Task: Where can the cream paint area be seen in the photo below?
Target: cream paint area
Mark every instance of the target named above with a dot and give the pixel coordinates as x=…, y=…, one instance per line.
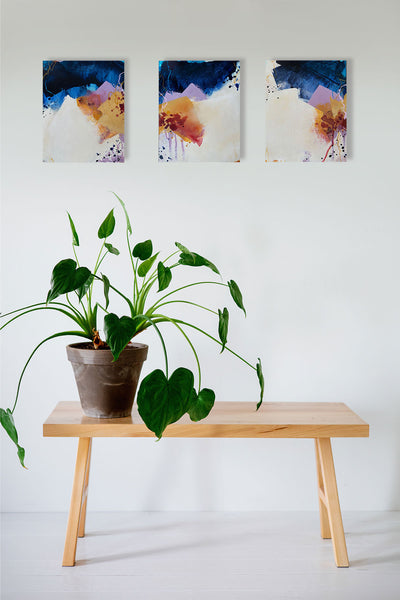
x=220, y=115
x=290, y=134
x=68, y=136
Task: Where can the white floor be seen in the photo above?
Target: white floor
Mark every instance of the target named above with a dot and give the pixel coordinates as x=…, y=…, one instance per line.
x=199, y=556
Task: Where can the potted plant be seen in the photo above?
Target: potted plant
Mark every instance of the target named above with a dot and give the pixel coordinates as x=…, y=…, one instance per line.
x=107, y=370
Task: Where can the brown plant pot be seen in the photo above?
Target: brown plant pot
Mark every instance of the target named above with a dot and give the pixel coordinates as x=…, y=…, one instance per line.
x=107, y=389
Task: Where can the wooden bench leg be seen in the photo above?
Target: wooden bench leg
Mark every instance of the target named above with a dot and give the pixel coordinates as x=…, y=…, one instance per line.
x=330, y=515
x=82, y=518
x=323, y=513
x=81, y=470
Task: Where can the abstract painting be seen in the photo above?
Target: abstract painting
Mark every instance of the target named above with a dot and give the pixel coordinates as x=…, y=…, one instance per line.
x=199, y=111
x=306, y=111
x=83, y=111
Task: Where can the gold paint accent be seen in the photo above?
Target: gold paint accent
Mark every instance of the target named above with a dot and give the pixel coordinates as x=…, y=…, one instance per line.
x=112, y=116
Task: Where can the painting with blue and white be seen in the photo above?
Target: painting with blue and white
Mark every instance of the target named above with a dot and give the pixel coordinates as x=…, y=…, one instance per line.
x=306, y=111
x=83, y=111
x=199, y=111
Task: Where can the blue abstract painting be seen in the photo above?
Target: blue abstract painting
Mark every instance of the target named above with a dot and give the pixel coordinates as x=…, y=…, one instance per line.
x=306, y=110
x=199, y=110
x=83, y=111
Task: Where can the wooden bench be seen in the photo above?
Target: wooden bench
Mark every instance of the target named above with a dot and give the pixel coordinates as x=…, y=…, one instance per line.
x=317, y=420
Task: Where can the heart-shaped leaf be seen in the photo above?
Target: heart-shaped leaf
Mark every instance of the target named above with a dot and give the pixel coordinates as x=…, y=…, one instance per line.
x=223, y=320
x=201, y=404
x=81, y=291
x=7, y=421
x=66, y=277
x=75, y=238
x=107, y=226
x=112, y=249
x=164, y=276
x=145, y=267
x=192, y=259
x=236, y=294
x=261, y=382
x=106, y=283
x=143, y=250
x=118, y=332
x=162, y=401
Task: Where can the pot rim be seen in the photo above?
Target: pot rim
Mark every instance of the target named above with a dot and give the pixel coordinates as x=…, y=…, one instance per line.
x=134, y=352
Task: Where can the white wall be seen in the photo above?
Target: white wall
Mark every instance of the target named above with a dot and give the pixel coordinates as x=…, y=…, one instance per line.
x=314, y=247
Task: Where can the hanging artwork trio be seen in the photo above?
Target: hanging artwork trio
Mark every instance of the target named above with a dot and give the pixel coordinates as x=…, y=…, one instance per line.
x=199, y=111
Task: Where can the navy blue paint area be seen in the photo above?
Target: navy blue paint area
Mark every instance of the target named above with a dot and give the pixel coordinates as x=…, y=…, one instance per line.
x=77, y=77
x=176, y=75
x=307, y=75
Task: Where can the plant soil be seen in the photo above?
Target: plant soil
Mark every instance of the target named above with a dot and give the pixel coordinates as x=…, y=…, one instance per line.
x=90, y=346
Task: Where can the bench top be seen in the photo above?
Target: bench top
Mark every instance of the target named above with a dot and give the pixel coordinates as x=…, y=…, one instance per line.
x=226, y=420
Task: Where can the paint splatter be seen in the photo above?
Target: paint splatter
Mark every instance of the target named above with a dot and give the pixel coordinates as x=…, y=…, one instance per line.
x=199, y=111
x=306, y=110
x=83, y=111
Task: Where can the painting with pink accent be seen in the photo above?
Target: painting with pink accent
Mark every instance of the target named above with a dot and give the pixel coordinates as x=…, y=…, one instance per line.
x=306, y=111
x=199, y=111
x=83, y=111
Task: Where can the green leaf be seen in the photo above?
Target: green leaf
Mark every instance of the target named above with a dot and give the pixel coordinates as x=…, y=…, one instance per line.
x=81, y=291
x=66, y=277
x=122, y=203
x=107, y=226
x=162, y=401
x=201, y=404
x=7, y=421
x=223, y=316
x=21, y=455
x=182, y=248
x=75, y=238
x=261, y=382
x=143, y=250
x=164, y=276
x=192, y=259
x=112, y=249
x=118, y=332
x=145, y=267
x=106, y=283
x=236, y=294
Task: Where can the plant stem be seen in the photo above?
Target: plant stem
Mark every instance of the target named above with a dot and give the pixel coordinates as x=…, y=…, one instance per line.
x=12, y=312
x=76, y=257
x=190, y=344
x=157, y=306
x=146, y=318
x=83, y=319
x=209, y=336
x=170, y=256
x=190, y=285
x=70, y=315
x=101, y=260
x=55, y=335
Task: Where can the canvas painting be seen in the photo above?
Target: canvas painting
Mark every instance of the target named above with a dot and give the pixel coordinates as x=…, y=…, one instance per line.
x=83, y=111
x=306, y=111
x=199, y=111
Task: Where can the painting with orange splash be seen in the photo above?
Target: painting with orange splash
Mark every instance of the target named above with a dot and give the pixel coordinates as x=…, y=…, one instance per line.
x=199, y=111
x=83, y=111
x=306, y=111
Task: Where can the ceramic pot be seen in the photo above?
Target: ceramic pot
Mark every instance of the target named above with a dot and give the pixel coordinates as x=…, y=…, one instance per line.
x=107, y=389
